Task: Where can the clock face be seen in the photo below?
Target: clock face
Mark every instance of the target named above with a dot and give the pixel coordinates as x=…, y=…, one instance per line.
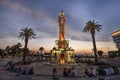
x=62, y=19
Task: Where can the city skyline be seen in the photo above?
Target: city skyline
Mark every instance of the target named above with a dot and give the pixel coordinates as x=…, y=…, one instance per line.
x=42, y=17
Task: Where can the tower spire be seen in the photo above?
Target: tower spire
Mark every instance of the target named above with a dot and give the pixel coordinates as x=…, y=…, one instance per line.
x=62, y=13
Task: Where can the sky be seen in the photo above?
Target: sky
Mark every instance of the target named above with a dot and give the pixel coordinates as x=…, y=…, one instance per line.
x=42, y=17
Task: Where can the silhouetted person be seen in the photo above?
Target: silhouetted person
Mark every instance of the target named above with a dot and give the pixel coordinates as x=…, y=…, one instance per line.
x=100, y=70
x=24, y=71
x=31, y=71
x=87, y=73
x=54, y=71
x=69, y=72
x=92, y=72
x=65, y=72
x=73, y=72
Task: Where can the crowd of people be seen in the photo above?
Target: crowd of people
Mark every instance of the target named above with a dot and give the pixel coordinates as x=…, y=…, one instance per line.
x=17, y=67
x=71, y=72
x=101, y=71
x=107, y=70
x=67, y=72
x=90, y=73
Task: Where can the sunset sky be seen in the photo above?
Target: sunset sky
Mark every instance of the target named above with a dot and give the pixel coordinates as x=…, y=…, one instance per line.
x=42, y=17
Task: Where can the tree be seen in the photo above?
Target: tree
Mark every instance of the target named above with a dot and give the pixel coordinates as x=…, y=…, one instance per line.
x=92, y=27
x=1, y=53
x=7, y=50
x=100, y=53
x=26, y=34
x=14, y=50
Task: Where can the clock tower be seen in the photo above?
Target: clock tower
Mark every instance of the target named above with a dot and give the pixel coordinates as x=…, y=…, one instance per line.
x=62, y=25
x=62, y=53
x=62, y=43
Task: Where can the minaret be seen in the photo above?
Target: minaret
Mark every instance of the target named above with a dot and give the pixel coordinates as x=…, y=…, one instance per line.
x=62, y=25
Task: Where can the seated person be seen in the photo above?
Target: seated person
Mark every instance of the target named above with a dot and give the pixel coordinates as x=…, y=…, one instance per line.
x=92, y=72
x=31, y=71
x=100, y=70
x=65, y=72
x=87, y=74
x=73, y=72
x=69, y=72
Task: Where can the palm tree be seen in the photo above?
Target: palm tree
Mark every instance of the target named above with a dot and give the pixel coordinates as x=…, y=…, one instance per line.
x=91, y=27
x=26, y=34
x=100, y=53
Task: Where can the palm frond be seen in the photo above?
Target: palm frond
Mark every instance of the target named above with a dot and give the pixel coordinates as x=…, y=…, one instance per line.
x=92, y=26
x=26, y=32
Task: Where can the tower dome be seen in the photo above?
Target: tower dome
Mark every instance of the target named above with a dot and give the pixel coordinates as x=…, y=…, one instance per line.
x=62, y=13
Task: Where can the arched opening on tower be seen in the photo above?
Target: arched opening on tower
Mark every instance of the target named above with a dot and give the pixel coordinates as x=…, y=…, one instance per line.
x=62, y=58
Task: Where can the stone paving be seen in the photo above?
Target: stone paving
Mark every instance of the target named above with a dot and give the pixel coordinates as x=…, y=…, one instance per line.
x=5, y=75
x=43, y=72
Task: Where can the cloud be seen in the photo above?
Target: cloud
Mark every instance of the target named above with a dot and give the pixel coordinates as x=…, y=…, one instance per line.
x=78, y=35
x=79, y=12
x=16, y=6
x=100, y=37
x=2, y=38
x=40, y=17
x=43, y=35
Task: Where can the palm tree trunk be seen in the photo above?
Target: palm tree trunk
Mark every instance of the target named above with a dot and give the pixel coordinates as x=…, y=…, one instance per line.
x=25, y=50
x=95, y=49
x=118, y=49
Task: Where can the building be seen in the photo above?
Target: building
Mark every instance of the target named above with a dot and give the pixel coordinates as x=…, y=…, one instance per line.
x=116, y=38
x=62, y=53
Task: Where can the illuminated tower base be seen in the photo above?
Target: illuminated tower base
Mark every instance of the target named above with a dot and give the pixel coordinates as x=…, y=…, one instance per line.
x=62, y=53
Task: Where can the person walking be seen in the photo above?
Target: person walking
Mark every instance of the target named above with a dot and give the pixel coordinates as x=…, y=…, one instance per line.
x=65, y=72
x=54, y=71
